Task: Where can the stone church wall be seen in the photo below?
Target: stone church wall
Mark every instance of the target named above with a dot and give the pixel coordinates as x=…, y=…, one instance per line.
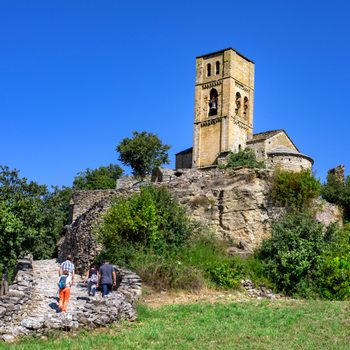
x=289, y=162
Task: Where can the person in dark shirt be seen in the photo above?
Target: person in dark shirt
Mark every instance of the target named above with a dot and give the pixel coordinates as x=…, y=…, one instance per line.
x=91, y=279
x=107, y=278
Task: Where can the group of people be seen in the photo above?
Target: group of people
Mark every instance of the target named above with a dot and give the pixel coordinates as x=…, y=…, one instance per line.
x=105, y=277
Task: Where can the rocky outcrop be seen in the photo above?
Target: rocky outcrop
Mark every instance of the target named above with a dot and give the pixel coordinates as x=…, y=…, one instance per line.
x=233, y=203
x=31, y=306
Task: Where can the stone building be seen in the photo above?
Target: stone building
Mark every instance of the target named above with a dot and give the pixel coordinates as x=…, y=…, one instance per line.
x=223, y=117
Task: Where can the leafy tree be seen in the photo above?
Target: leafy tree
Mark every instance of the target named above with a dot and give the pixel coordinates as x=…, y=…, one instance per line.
x=338, y=192
x=244, y=158
x=143, y=152
x=31, y=218
x=104, y=177
x=294, y=190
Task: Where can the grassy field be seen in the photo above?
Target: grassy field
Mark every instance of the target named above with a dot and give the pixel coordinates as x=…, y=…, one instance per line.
x=239, y=325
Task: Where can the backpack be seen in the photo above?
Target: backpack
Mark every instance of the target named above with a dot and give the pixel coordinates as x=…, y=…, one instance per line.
x=62, y=282
x=94, y=278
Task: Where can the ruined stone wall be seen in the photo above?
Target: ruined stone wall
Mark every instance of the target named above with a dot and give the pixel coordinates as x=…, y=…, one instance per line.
x=30, y=306
x=83, y=200
x=12, y=305
x=79, y=239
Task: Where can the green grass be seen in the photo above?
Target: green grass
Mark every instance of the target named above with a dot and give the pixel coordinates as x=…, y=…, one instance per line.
x=244, y=325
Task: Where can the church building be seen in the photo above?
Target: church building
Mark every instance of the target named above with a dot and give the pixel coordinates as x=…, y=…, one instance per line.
x=223, y=117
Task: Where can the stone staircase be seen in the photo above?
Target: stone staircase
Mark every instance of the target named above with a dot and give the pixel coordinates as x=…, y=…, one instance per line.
x=31, y=306
x=44, y=304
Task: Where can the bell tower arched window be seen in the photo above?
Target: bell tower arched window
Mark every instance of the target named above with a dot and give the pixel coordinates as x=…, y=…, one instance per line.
x=246, y=107
x=213, y=102
x=208, y=70
x=238, y=103
x=217, y=67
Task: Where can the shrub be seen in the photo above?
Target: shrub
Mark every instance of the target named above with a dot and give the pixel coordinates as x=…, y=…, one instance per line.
x=151, y=218
x=224, y=275
x=335, y=280
x=291, y=258
x=245, y=158
x=338, y=192
x=295, y=191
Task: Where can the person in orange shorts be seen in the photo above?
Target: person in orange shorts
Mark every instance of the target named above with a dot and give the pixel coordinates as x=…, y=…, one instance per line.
x=64, y=284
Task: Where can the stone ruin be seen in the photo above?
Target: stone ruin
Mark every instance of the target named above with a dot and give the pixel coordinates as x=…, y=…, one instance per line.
x=30, y=307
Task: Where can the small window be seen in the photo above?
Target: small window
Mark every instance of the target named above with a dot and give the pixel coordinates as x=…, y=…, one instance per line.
x=217, y=66
x=208, y=69
x=239, y=148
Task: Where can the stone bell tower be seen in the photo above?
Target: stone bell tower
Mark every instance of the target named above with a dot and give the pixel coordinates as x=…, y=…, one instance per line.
x=224, y=101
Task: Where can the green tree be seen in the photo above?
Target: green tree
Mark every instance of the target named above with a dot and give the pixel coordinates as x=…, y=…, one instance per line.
x=104, y=177
x=143, y=152
x=244, y=158
x=31, y=218
x=338, y=192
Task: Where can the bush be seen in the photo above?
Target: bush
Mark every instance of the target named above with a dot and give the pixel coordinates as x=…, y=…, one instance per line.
x=335, y=281
x=291, y=258
x=151, y=218
x=245, y=158
x=224, y=275
x=295, y=191
x=338, y=192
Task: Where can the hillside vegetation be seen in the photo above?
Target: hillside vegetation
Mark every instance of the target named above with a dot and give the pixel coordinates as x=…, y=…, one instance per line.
x=151, y=233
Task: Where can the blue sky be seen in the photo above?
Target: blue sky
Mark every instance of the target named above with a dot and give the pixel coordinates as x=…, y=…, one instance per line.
x=76, y=77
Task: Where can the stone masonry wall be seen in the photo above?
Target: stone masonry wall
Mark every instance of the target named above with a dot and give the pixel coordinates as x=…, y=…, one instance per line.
x=84, y=200
x=12, y=305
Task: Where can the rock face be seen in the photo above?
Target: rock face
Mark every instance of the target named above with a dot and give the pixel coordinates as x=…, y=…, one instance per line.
x=30, y=308
x=235, y=204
